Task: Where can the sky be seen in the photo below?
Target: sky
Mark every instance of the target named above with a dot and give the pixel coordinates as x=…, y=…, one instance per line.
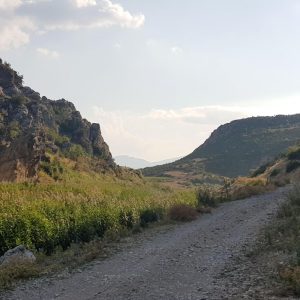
x=158, y=76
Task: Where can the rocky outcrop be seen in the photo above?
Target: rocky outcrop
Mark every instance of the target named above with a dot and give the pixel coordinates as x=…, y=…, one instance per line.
x=19, y=162
x=30, y=124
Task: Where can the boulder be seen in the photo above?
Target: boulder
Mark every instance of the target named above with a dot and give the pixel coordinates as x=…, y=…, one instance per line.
x=20, y=254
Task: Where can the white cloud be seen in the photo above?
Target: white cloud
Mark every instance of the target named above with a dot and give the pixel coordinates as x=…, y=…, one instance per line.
x=9, y=4
x=176, y=50
x=15, y=33
x=119, y=16
x=199, y=114
x=85, y=3
x=170, y=133
x=42, y=16
x=177, y=132
x=48, y=53
x=101, y=14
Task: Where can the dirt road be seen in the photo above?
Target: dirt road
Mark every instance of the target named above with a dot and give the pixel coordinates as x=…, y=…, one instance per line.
x=188, y=261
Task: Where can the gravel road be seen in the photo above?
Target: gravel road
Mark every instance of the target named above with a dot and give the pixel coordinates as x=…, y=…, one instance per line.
x=187, y=261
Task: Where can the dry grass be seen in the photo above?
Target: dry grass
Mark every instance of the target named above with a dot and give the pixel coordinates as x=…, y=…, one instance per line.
x=182, y=213
x=17, y=270
x=244, y=187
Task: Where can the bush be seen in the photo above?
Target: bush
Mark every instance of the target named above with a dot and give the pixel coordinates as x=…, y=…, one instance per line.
x=206, y=197
x=56, y=138
x=260, y=170
x=149, y=216
x=14, y=129
x=126, y=219
x=52, y=168
x=292, y=166
x=74, y=152
x=294, y=154
x=274, y=173
x=182, y=213
x=20, y=100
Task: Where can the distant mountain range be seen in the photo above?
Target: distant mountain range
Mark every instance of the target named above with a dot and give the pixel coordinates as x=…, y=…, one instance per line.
x=139, y=163
x=236, y=148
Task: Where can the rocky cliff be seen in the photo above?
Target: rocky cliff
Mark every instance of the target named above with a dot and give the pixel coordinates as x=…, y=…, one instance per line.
x=31, y=125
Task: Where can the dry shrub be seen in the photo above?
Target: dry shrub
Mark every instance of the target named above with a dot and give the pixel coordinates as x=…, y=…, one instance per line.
x=182, y=213
x=244, y=187
x=247, y=181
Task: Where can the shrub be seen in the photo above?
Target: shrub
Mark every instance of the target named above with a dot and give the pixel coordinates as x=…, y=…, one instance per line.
x=126, y=219
x=182, y=213
x=206, y=197
x=149, y=216
x=20, y=100
x=74, y=152
x=260, y=170
x=292, y=166
x=14, y=129
x=293, y=154
x=58, y=140
x=53, y=168
x=274, y=173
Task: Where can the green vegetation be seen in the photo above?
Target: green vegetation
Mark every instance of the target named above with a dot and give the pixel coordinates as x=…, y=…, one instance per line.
x=14, y=130
x=74, y=152
x=19, y=100
x=284, y=236
x=53, y=168
x=294, y=153
x=59, y=140
x=79, y=208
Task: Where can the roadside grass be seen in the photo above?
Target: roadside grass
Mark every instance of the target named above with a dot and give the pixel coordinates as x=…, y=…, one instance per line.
x=70, y=221
x=283, y=236
x=77, y=210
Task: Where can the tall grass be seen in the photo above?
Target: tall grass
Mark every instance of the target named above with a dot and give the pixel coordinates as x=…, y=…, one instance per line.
x=78, y=209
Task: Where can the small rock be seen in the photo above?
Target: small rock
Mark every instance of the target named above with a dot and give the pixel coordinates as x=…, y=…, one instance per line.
x=19, y=253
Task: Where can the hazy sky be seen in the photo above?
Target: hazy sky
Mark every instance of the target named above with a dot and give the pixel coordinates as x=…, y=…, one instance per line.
x=158, y=75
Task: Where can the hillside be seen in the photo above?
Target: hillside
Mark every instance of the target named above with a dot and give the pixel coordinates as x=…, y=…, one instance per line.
x=282, y=170
x=236, y=148
x=32, y=128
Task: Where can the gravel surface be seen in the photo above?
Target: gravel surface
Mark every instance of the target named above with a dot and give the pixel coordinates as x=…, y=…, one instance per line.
x=204, y=259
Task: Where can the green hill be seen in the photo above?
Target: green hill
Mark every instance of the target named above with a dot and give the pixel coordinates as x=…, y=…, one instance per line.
x=236, y=148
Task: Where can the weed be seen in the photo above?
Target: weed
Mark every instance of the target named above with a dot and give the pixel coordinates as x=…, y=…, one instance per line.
x=182, y=213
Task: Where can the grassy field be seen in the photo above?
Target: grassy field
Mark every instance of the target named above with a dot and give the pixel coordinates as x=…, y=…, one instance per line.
x=79, y=208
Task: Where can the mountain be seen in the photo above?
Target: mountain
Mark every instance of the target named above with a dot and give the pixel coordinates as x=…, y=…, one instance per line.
x=236, y=148
x=139, y=163
x=34, y=129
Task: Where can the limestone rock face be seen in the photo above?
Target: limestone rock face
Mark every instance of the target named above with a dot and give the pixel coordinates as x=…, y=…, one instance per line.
x=30, y=124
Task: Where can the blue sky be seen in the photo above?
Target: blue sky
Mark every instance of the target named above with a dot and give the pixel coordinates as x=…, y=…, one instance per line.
x=158, y=76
